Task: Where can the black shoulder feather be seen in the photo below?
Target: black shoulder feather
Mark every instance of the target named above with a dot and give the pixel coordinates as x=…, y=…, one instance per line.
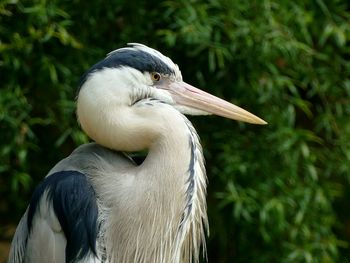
x=74, y=202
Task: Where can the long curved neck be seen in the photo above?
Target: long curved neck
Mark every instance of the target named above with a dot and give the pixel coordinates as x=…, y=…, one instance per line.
x=169, y=192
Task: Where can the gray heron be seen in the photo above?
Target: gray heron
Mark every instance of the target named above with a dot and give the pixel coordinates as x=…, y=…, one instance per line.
x=98, y=205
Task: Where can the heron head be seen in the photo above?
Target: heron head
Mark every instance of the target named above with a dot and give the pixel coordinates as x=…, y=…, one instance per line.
x=137, y=75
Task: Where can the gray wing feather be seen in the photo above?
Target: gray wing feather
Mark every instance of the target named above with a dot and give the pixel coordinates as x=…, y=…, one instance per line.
x=43, y=244
x=19, y=242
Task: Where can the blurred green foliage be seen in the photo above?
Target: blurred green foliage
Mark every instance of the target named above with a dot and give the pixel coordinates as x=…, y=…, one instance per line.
x=278, y=193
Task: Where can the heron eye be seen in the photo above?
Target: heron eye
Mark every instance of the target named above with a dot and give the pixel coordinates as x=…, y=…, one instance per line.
x=155, y=76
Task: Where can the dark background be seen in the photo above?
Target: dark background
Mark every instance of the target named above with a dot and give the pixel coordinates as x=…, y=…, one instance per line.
x=277, y=193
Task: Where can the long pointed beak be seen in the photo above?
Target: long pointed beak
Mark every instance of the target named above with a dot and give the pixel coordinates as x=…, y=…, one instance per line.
x=187, y=95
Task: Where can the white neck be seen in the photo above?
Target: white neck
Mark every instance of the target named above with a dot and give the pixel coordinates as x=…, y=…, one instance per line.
x=168, y=190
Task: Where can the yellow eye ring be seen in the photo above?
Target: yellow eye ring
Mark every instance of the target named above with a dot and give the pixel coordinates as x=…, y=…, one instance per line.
x=155, y=76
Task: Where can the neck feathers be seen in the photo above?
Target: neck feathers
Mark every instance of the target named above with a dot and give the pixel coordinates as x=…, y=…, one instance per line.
x=165, y=217
x=194, y=219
